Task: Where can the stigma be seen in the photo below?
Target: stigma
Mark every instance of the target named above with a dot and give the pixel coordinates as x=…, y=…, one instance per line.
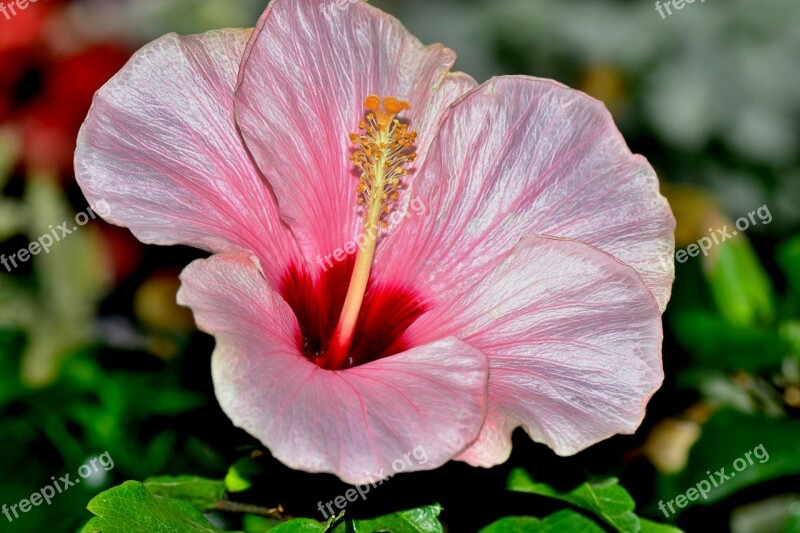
x=383, y=149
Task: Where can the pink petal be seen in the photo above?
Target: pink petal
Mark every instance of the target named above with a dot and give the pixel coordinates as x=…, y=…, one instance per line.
x=160, y=154
x=574, y=344
x=517, y=156
x=302, y=92
x=354, y=423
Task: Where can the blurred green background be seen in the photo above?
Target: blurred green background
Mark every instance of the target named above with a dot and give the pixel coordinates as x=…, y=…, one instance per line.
x=96, y=357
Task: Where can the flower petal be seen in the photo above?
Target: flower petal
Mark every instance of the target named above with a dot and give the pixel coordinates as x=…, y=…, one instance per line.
x=160, y=154
x=574, y=344
x=354, y=423
x=521, y=155
x=308, y=70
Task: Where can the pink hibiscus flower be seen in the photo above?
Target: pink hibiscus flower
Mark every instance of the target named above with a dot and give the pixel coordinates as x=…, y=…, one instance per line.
x=528, y=294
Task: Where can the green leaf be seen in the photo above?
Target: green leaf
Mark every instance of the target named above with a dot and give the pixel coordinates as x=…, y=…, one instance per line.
x=168, y=401
x=730, y=436
x=739, y=284
x=648, y=526
x=241, y=474
x=566, y=521
x=200, y=493
x=716, y=343
x=420, y=520
x=790, y=333
x=605, y=498
x=259, y=524
x=789, y=261
x=131, y=508
x=299, y=525
x=234, y=481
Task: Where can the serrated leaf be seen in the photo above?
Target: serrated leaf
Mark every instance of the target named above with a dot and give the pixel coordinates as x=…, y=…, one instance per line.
x=605, y=498
x=200, y=493
x=131, y=508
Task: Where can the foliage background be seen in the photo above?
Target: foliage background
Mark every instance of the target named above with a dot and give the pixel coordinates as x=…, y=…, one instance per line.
x=95, y=356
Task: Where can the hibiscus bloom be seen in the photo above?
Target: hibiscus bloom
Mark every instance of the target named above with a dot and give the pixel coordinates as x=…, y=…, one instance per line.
x=528, y=294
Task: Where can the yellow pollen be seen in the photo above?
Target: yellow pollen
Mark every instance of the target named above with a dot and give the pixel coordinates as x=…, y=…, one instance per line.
x=381, y=150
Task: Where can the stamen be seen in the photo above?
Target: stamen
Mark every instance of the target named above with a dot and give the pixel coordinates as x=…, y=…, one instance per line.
x=382, y=150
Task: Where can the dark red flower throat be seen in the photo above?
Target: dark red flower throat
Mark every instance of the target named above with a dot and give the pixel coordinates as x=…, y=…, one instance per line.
x=386, y=313
x=345, y=320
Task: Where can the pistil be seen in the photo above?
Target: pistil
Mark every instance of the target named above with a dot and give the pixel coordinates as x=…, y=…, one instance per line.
x=382, y=150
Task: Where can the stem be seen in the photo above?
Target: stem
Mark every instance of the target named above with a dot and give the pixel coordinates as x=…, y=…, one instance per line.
x=235, y=507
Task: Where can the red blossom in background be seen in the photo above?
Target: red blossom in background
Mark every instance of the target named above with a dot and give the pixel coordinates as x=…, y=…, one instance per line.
x=45, y=90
